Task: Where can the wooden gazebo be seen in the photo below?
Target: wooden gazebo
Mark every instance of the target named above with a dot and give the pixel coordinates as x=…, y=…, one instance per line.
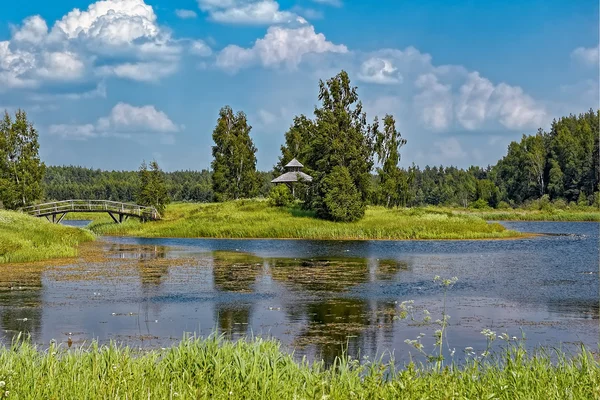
x=293, y=174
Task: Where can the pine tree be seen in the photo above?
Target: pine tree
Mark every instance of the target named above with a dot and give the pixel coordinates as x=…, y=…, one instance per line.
x=21, y=171
x=234, y=157
x=341, y=138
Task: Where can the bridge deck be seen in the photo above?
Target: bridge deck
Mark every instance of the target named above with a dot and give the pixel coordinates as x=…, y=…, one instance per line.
x=122, y=210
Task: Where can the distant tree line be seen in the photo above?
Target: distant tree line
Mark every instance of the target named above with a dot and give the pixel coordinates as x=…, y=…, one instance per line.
x=353, y=163
x=74, y=182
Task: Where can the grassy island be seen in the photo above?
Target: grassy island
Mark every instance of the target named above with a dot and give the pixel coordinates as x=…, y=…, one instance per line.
x=260, y=369
x=257, y=219
x=24, y=239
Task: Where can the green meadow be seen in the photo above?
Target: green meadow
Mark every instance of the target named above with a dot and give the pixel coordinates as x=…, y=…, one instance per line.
x=257, y=219
x=25, y=239
x=259, y=369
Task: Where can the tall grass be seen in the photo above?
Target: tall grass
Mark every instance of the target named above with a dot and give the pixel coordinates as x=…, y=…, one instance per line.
x=259, y=369
x=256, y=219
x=24, y=238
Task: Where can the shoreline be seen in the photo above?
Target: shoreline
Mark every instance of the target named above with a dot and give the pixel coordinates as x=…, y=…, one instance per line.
x=524, y=235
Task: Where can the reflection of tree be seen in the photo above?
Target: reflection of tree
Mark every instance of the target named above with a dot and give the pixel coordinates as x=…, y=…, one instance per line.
x=21, y=301
x=235, y=272
x=331, y=275
x=334, y=326
x=138, y=252
x=233, y=320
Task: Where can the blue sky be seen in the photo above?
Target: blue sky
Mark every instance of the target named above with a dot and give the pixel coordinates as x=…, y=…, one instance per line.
x=113, y=82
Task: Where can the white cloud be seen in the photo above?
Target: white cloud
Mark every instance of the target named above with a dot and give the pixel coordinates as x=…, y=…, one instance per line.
x=79, y=45
x=34, y=30
x=449, y=96
x=434, y=103
x=586, y=56
x=186, y=14
x=74, y=132
x=61, y=66
x=279, y=46
x=259, y=12
x=112, y=22
x=141, y=71
x=125, y=117
x=379, y=70
x=200, y=48
x=124, y=120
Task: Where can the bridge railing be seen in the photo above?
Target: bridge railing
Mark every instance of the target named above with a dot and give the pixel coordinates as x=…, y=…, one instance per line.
x=56, y=207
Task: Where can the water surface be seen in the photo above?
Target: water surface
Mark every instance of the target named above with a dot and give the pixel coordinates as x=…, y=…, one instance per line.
x=317, y=297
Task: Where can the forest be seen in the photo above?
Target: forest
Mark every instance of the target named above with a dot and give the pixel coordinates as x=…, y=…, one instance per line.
x=561, y=165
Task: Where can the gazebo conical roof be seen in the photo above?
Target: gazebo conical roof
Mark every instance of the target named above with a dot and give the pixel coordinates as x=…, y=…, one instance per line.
x=294, y=163
x=294, y=175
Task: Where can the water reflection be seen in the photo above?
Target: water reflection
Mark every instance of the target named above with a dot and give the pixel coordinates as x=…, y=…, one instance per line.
x=145, y=291
x=21, y=300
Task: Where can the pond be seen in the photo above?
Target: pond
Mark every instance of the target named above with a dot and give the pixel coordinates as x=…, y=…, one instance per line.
x=317, y=297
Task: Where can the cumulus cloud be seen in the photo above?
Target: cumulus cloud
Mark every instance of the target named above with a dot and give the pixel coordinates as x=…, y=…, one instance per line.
x=186, y=14
x=245, y=12
x=281, y=45
x=124, y=120
x=434, y=103
x=379, y=70
x=200, y=48
x=586, y=56
x=118, y=37
x=450, y=96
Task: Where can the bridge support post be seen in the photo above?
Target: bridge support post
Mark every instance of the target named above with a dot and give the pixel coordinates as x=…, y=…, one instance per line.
x=113, y=217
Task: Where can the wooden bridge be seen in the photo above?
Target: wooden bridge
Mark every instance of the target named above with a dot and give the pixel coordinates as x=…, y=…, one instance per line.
x=119, y=212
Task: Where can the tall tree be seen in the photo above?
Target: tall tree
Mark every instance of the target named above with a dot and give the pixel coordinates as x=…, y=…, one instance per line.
x=21, y=171
x=234, y=157
x=153, y=188
x=340, y=144
x=387, y=147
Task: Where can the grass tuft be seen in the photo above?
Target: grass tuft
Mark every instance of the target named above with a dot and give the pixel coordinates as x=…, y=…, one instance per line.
x=260, y=369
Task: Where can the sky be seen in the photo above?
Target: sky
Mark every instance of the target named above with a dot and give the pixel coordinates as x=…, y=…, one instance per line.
x=111, y=83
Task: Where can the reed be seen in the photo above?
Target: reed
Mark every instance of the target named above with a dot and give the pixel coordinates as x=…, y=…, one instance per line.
x=24, y=238
x=257, y=219
x=260, y=369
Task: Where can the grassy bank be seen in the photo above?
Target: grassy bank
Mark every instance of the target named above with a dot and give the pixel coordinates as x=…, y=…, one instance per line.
x=526, y=215
x=259, y=369
x=24, y=238
x=256, y=219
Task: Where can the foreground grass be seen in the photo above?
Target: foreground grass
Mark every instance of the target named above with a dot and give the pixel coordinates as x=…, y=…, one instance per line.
x=256, y=219
x=24, y=238
x=259, y=369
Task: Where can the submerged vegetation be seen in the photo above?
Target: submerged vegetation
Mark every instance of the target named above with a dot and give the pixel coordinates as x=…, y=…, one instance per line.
x=214, y=368
x=257, y=219
x=24, y=238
